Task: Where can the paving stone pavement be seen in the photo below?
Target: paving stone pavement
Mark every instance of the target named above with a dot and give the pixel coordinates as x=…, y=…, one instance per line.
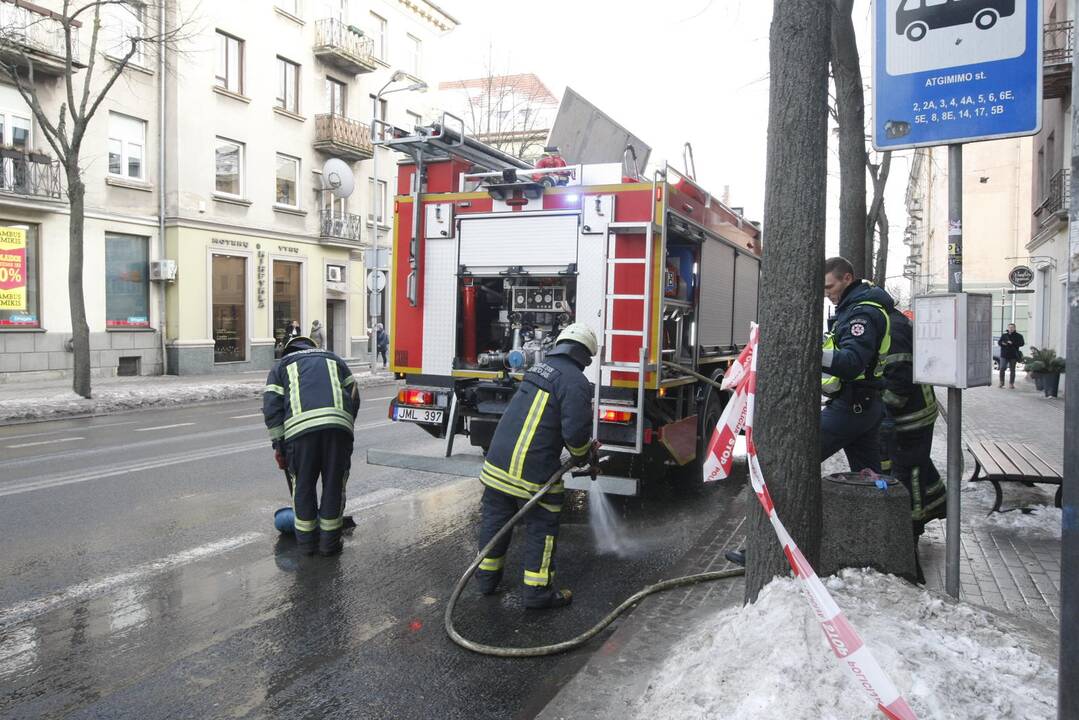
x=1005, y=568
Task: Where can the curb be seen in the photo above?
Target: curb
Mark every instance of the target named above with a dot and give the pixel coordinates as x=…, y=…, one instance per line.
x=109, y=404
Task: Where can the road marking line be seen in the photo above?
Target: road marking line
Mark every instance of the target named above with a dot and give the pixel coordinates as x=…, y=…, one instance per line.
x=163, y=427
x=372, y=499
x=388, y=397
x=46, y=442
x=32, y=608
x=244, y=417
x=61, y=432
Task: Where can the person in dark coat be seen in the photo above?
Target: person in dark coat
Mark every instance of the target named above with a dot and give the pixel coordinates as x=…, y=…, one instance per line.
x=382, y=343
x=1010, y=343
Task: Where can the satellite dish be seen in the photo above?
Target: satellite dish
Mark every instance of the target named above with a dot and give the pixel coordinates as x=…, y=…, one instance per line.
x=337, y=178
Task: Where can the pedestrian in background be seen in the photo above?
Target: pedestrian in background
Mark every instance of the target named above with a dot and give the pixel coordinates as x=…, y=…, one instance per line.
x=1010, y=353
x=316, y=334
x=382, y=343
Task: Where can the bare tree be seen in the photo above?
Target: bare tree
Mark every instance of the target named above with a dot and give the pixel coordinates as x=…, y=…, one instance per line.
x=877, y=219
x=850, y=116
x=787, y=421
x=119, y=31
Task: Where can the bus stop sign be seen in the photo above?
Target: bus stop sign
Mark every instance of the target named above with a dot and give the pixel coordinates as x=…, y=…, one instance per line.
x=955, y=71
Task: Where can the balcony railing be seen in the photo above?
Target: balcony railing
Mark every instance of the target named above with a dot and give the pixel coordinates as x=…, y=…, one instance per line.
x=343, y=137
x=35, y=178
x=1057, y=197
x=37, y=36
x=344, y=227
x=1057, y=44
x=344, y=46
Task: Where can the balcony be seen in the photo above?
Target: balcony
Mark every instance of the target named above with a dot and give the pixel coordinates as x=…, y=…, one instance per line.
x=1055, y=206
x=30, y=176
x=343, y=137
x=340, y=228
x=345, y=47
x=1057, y=58
x=35, y=37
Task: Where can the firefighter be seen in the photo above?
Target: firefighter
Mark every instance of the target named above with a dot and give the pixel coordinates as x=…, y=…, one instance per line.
x=552, y=409
x=907, y=432
x=310, y=405
x=850, y=366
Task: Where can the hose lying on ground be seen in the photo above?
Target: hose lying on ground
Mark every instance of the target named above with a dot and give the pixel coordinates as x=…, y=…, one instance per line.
x=588, y=634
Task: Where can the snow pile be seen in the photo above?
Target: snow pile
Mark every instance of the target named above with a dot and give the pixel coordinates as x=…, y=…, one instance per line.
x=154, y=392
x=1044, y=522
x=770, y=660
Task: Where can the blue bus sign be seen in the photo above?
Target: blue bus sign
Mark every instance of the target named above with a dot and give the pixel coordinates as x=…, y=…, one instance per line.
x=955, y=71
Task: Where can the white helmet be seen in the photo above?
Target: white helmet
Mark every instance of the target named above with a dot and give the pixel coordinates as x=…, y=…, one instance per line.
x=581, y=333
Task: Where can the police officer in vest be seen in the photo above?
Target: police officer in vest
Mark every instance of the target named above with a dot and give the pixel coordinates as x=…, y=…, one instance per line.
x=907, y=430
x=850, y=366
x=309, y=405
x=551, y=409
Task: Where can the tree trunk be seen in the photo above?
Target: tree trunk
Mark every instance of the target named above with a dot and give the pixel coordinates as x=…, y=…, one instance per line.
x=878, y=217
x=850, y=112
x=80, y=331
x=787, y=422
x=881, y=271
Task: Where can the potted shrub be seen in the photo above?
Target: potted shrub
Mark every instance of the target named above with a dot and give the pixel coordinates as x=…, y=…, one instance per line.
x=1054, y=366
x=1035, y=366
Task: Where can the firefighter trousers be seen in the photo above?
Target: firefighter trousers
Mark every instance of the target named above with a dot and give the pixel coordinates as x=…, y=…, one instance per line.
x=541, y=536
x=912, y=464
x=852, y=428
x=326, y=454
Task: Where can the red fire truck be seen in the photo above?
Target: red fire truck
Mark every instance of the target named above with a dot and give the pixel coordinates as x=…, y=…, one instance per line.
x=492, y=258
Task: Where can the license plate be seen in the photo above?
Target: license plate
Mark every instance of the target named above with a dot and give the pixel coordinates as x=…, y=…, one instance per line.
x=420, y=415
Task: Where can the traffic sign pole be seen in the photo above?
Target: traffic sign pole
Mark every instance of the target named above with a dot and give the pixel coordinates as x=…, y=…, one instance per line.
x=955, y=395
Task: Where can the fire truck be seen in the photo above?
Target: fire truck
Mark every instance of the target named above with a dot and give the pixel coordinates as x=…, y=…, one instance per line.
x=493, y=257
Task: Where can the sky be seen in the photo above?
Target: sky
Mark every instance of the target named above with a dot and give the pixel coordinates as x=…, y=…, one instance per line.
x=680, y=71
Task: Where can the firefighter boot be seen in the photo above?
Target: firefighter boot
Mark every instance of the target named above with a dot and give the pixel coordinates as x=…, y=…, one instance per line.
x=487, y=580
x=542, y=598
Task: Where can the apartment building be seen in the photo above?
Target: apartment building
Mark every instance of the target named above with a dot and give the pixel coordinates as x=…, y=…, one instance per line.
x=996, y=212
x=1050, y=184
x=257, y=96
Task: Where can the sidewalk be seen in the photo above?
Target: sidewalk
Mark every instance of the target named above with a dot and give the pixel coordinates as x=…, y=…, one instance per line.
x=1010, y=565
x=22, y=402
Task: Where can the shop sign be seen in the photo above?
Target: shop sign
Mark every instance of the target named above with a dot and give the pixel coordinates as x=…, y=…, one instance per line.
x=260, y=278
x=226, y=242
x=13, y=269
x=288, y=249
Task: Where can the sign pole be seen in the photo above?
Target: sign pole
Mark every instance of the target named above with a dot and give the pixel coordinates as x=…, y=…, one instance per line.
x=955, y=395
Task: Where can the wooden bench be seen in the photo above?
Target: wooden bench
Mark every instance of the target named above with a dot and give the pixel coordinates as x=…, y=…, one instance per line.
x=1000, y=462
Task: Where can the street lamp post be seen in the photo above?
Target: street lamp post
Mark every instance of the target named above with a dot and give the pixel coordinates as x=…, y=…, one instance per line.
x=377, y=308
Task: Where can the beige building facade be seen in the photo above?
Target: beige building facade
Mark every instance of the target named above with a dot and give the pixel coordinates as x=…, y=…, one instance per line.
x=257, y=96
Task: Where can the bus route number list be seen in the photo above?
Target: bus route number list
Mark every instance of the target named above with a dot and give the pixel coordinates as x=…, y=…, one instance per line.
x=962, y=107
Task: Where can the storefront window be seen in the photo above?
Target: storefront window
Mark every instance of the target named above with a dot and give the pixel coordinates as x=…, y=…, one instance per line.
x=20, y=288
x=286, y=296
x=127, y=288
x=229, y=308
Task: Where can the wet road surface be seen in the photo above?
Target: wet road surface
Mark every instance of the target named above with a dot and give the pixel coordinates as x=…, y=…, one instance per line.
x=143, y=578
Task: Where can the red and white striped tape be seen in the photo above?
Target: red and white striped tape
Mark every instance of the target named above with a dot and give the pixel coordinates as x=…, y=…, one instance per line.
x=848, y=647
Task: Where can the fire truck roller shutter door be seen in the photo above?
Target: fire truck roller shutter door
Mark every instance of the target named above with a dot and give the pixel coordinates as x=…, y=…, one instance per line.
x=747, y=272
x=716, y=315
x=541, y=243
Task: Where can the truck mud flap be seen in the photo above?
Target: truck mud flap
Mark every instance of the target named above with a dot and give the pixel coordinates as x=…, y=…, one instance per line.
x=609, y=484
x=463, y=465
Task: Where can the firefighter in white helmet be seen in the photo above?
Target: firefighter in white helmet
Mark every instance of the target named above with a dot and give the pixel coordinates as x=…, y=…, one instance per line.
x=552, y=409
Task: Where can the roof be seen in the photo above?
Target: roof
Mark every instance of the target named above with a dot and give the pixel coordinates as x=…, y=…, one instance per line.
x=524, y=83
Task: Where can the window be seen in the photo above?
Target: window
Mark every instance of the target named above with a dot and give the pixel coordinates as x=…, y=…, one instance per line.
x=288, y=80
x=127, y=141
x=335, y=96
x=335, y=206
x=414, y=119
x=380, y=201
x=378, y=32
x=288, y=181
x=16, y=132
x=334, y=9
x=415, y=51
x=378, y=111
x=292, y=7
x=20, y=289
x=127, y=287
x=286, y=296
x=120, y=24
x=229, y=308
x=230, y=63
x=228, y=167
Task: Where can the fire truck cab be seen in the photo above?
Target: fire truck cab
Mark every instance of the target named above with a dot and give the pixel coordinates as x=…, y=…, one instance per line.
x=492, y=258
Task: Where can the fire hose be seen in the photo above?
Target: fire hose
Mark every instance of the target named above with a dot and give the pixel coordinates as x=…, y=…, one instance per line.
x=579, y=640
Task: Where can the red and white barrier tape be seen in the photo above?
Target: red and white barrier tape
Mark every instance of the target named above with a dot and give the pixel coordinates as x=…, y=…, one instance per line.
x=848, y=647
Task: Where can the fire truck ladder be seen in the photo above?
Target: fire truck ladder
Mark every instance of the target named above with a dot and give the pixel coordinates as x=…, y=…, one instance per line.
x=641, y=365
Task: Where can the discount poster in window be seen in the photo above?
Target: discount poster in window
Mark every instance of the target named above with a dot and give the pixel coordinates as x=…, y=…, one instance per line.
x=12, y=269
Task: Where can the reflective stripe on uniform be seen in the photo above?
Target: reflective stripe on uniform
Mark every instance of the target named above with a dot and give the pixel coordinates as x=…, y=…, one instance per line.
x=543, y=576
x=350, y=380
x=492, y=564
x=578, y=451
x=277, y=432
x=898, y=357
x=331, y=524
x=528, y=431
x=320, y=417
x=276, y=389
x=530, y=487
x=335, y=384
x=306, y=525
x=294, y=389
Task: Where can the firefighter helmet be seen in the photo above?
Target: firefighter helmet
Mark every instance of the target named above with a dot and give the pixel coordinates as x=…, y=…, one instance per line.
x=297, y=343
x=580, y=333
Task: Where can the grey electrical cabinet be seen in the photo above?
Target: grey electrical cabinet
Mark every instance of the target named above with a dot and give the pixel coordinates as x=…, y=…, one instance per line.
x=953, y=335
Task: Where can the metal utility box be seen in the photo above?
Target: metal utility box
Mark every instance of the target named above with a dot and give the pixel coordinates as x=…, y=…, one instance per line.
x=953, y=339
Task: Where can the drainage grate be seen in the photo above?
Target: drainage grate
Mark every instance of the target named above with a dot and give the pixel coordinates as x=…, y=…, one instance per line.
x=129, y=366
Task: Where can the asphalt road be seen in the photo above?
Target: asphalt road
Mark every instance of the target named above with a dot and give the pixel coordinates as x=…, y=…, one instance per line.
x=142, y=577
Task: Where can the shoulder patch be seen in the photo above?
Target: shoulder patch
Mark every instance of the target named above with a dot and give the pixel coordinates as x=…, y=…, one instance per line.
x=857, y=328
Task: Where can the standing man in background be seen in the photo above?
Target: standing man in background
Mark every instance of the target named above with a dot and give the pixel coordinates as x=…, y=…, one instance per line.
x=1010, y=353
